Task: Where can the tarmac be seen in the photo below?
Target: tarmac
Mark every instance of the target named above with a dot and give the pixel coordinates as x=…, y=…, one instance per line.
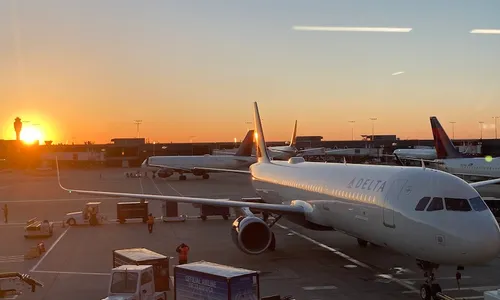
x=306, y=264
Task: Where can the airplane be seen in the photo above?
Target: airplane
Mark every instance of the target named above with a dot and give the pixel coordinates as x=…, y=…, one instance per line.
x=166, y=166
x=450, y=160
x=285, y=152
x=415, y=153
x=430, y=215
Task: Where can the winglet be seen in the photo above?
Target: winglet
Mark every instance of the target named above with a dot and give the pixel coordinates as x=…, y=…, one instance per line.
x=423, y=164
x=345, y=161
x=59, y=176
x=260, y=141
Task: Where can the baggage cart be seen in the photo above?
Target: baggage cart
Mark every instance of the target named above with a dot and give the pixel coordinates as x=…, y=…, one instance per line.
x=132, y=210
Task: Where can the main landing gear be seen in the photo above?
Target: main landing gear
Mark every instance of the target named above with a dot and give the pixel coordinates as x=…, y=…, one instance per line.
x=182, y=177
x=205, y=176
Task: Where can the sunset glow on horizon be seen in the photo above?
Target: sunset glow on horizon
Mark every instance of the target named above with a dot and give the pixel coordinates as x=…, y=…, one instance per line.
x=84, y=71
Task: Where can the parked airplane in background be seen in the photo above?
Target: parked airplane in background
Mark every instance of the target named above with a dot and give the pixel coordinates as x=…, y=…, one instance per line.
x=166, y=166
x=431, y=215
x=415, y=153
x=285, y=152
x=449, y=159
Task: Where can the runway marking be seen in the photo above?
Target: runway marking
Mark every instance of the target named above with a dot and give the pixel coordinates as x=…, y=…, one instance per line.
x=57, y=200
x=142, y=188
x=11, y=259
x=319, y=288
x=465, y=288
x=50, y=249
x=72, y=273
x=352, y=260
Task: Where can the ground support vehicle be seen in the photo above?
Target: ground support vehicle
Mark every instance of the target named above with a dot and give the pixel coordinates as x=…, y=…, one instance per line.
x=85, y=217
x=35, y=228
x=129, y=282
x=143, y=256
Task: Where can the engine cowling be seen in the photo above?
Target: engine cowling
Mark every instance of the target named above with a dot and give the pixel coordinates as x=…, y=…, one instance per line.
x=251, y=234
x=164, y=173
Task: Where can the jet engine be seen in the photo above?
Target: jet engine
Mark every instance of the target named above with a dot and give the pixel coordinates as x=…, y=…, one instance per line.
x=164, y=173
x=251, y=234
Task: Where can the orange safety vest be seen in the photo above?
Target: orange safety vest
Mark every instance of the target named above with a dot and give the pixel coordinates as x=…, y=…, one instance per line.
x=183, y=255
x=151, y=220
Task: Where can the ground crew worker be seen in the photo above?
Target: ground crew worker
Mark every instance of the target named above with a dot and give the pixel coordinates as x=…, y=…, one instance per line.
x=5, y=213
x=183, y=250
x=151, y=221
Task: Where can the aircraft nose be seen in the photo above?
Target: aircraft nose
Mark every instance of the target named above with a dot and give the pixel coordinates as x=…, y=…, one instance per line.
x=485, y=241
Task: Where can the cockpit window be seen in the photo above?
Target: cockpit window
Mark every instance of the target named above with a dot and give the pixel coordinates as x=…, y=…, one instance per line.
x=478, y=204
x=457, y=204
x=436, y=204
x=422, y=203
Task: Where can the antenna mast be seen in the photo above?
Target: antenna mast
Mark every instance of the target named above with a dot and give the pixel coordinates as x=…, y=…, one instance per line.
x=138, y=124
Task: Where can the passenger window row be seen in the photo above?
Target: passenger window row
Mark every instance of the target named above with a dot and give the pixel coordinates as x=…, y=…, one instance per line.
x=481, y=168
x=337, y=193
x=451, y=204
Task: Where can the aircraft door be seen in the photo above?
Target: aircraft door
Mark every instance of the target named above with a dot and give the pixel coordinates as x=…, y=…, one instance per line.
x=390, y=199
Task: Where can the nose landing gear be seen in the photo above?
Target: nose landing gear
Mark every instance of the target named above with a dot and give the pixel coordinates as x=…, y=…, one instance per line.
x=429, y=289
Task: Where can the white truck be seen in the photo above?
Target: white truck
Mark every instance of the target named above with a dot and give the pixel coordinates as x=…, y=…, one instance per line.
x=85, y=217
x=129, y=282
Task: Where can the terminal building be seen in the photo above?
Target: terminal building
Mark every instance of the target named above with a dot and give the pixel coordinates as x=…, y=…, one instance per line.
x=131, y=152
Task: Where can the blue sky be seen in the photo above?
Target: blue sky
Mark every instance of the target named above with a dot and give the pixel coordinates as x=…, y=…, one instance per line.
x=192, y=68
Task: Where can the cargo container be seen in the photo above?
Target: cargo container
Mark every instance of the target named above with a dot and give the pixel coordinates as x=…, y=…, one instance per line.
x=210, y=281
x=132, y=210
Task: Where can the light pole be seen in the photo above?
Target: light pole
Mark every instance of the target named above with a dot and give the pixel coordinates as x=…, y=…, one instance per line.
x=352, y=129
x=481, y=126
x=154, y=144
x=138, y=123
x=453, y=128
x=496, y=127
x=192, y=146
x=373, y=128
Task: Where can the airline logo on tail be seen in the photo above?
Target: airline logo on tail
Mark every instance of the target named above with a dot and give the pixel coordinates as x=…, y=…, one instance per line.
x=443, y=144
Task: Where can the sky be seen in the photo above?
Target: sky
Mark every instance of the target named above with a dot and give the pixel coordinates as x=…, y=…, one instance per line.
x=190, y=70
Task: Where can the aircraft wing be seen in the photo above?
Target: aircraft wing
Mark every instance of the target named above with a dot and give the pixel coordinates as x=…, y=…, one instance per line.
x=223, y=170
x=311, y=150
x=273, y=208
x=177, y=169
x=484, y=182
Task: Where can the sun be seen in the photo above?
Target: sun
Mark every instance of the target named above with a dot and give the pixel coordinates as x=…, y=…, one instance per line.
x=30, y=135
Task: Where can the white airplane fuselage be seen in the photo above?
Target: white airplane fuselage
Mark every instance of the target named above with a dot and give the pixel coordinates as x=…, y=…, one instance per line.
x=377, y=204
x=416, y=153
x=281, y=152
x=477, y=166
x=204, y=161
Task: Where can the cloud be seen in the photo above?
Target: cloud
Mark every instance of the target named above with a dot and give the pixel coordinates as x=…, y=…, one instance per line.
x=352, y=29
x=485, y=31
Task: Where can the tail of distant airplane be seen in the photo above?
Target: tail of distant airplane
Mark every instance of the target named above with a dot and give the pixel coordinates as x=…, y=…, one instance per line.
x=246, y=146
x=260, y=142
x=443, y=144
x=293, y=141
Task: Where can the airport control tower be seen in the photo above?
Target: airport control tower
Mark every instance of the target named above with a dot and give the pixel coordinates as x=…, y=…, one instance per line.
x=18, y=126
